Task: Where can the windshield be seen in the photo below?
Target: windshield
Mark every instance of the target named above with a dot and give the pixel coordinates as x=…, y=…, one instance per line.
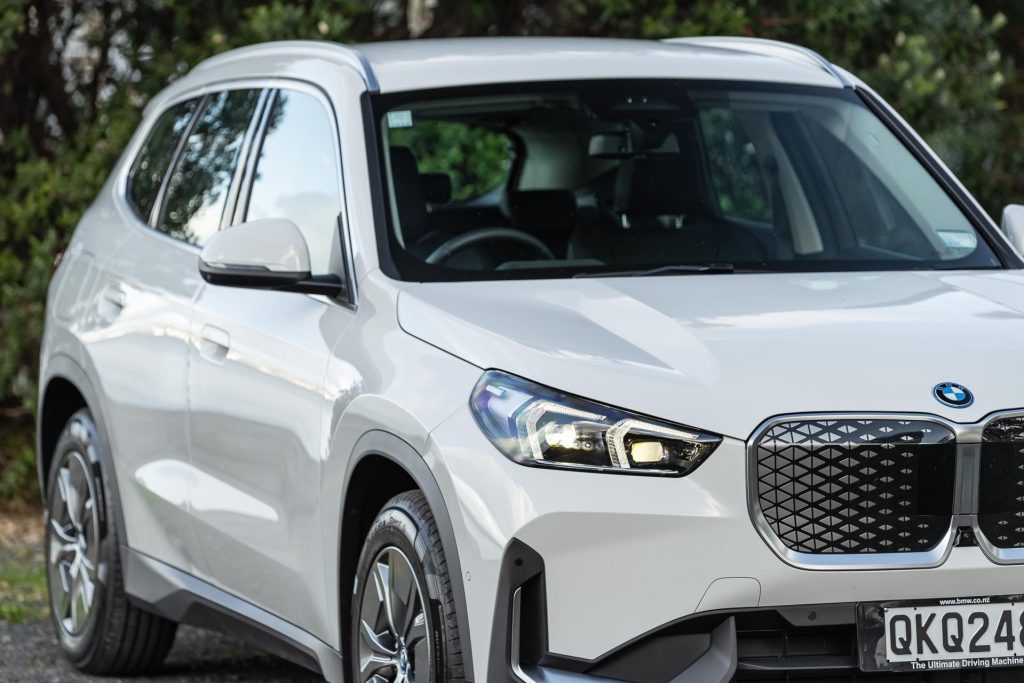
x=657, y=177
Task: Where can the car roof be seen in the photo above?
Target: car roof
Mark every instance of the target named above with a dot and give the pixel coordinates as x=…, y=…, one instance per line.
x=438, y=63
x=397, y=66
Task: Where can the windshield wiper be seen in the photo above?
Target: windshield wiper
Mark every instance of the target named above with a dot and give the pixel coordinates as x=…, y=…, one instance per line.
x=676, y=269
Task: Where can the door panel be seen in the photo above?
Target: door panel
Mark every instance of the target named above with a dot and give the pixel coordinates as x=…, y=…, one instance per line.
x=257, y=408
x=135, y=327
x=137, y=339
x=256, y=382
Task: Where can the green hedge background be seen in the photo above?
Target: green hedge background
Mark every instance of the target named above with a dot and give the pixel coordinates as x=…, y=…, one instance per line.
x=75, y=74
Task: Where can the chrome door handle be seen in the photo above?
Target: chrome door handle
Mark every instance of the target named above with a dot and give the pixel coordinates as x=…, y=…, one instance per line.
x=215, y=343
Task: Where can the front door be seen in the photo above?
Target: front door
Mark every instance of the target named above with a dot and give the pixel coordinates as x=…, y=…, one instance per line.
x=256, y=381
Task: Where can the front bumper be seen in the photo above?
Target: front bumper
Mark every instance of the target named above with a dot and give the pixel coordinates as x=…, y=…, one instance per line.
x=626, y=557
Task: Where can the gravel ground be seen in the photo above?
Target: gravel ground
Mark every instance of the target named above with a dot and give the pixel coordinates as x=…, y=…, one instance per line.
x=29, y=650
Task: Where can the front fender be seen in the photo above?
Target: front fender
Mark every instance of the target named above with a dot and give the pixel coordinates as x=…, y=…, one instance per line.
x=433, y=479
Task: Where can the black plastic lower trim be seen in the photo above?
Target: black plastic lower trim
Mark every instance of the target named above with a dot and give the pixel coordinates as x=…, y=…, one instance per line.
x=178, y=596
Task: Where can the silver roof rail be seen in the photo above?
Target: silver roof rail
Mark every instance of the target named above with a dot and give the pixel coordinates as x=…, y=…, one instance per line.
x=343, y=53
x=768, y=48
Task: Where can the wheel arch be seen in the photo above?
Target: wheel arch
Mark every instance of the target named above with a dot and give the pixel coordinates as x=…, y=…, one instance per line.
x=382, y=453
x=64, y=389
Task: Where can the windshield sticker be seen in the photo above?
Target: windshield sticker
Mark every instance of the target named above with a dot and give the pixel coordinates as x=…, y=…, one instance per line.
x=400, y=119
x=958, y=240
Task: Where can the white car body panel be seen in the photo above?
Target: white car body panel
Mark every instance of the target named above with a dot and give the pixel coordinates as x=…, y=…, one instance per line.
x=693, y=349
x=231, y=459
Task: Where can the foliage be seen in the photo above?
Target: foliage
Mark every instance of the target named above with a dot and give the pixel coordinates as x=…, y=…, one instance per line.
x=74, y=76
x=475, y=159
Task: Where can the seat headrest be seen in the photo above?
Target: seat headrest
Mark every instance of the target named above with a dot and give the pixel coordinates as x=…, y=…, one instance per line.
x=410, y=199
x=658, y=185
x=539, y=211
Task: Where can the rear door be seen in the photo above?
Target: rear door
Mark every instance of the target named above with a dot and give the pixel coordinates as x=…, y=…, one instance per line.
x=137, y=336
x=256, y=379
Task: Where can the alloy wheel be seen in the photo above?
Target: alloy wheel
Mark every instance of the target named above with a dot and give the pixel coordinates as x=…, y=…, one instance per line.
x=394, y=643
x=73, y=544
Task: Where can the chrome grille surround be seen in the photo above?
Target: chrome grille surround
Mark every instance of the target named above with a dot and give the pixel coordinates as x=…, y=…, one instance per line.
x=968, y=442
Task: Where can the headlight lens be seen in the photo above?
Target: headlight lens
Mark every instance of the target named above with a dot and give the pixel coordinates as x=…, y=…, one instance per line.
x=534, y=425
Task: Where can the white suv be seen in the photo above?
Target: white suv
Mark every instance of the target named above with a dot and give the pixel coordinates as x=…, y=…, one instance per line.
x=537, y=360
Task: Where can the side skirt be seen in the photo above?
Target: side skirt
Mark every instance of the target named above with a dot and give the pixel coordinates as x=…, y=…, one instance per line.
x=181, y=597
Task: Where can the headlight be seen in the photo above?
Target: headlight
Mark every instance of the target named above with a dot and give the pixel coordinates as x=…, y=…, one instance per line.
x=534, y=425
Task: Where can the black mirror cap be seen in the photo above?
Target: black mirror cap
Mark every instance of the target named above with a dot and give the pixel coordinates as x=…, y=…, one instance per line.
x=260, y=278
x=248, y=276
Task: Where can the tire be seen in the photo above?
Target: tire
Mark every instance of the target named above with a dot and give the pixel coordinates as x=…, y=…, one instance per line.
x=404, y=535
x=106, y=635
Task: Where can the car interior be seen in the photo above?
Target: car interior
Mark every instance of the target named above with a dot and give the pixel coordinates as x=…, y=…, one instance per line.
x=614, y=176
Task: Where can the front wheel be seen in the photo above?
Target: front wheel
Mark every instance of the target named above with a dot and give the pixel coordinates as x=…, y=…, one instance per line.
x=404, y=626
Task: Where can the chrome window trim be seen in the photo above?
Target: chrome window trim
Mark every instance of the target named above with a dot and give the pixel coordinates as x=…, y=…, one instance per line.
x=965, y=435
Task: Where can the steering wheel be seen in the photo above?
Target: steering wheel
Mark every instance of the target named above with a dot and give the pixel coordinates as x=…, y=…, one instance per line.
x=467, y=239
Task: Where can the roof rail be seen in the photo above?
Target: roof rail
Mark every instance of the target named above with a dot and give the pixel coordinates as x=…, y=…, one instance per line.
x=347, y=55
x=768, y=48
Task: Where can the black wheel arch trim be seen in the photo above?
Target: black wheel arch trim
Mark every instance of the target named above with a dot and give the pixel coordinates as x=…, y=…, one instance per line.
x=379, y=443
x=63, y=367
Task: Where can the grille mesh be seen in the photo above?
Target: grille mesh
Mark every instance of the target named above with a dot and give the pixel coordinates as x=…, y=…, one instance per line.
x=1001, y=483
x=856, y=485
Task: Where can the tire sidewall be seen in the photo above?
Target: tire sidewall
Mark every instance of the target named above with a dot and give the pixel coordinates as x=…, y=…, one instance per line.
x=396, y=527
x=81, y=435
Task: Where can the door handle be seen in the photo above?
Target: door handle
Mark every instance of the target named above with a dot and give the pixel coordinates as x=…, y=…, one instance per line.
x=110, y=303
x=215, y=343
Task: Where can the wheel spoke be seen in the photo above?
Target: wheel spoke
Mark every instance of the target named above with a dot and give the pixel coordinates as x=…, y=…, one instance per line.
x=374, y=664
x=78, y=610
x=59, y=551
x=88, y=590
x=403, y=595
x=375, y=641
x=421, y=659
x=61, y=532
x=384, y=587
x=417, y=630
x=71, y=496
x=88, y=515
x=60, y=586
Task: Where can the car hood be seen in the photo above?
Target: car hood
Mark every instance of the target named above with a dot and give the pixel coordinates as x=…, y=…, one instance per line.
x=726, y=352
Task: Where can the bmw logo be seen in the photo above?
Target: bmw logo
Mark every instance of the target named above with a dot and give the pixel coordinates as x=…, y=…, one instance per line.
x=953, y=395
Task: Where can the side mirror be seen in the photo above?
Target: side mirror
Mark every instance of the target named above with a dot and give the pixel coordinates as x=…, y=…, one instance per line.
x=1013, y=226
x=269, y=253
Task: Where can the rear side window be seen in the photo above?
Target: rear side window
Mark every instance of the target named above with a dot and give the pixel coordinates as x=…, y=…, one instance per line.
x=297, y=175
x=197, y=191
x=149, y=167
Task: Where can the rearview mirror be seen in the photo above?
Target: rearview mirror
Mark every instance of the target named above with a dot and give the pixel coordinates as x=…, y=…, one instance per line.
x=1013, y=226
x=269, y=253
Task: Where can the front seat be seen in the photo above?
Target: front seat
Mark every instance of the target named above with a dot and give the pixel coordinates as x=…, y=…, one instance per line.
x=663, y=219
x=410, y=201
x=547, y=214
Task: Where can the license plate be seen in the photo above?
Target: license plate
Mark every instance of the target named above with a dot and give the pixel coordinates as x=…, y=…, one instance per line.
x=950, y=633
